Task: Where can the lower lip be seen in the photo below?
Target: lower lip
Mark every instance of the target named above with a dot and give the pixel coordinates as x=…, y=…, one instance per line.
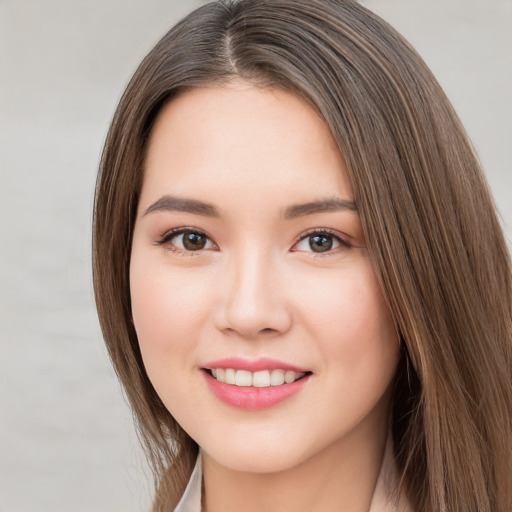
x=251, y=398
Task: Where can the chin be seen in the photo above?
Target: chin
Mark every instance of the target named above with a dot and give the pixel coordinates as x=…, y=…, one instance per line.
x=254, y=458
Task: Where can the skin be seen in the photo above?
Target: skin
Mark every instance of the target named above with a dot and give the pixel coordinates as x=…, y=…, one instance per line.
x=258, y=289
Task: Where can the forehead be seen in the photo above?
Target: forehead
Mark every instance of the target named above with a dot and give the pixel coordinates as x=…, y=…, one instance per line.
x=240, y=138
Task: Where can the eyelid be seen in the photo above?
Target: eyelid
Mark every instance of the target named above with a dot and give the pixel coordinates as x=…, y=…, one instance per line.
x=171, y=233
x=342, y=239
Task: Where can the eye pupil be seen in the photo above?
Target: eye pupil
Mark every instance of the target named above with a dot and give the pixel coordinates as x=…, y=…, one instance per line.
x=320, y=243
x=193, y=241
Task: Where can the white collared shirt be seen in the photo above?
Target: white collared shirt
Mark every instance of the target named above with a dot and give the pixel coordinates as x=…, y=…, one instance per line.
x=382, y=501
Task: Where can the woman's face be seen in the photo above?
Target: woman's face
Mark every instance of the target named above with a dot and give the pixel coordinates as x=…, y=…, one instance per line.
x=249, y=267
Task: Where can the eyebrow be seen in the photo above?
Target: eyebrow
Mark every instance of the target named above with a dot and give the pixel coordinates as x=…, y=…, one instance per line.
x=182, y=204
x=194, y=206
x=324, y=205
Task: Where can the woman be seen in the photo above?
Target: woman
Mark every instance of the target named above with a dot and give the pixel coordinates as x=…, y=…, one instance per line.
x=298, y=269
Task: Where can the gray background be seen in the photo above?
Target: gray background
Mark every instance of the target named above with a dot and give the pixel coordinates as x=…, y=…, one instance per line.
x=66, y=438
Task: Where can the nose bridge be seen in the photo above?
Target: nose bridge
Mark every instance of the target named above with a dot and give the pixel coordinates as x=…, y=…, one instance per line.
x=253, y=301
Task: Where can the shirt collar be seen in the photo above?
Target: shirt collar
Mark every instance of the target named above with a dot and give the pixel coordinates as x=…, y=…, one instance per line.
x=385, y=497
x=191, y=499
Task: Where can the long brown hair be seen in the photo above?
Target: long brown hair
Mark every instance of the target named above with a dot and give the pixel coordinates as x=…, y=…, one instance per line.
x=429, y=221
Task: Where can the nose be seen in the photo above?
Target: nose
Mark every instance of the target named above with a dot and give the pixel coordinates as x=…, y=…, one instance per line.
x=253, y=299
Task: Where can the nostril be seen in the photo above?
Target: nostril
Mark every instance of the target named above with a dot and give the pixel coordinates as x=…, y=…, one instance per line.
x=268, y=330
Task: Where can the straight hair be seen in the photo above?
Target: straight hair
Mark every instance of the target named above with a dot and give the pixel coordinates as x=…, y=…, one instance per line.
x=428, y=217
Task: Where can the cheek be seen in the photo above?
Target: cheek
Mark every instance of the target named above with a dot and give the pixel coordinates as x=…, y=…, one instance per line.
x=168, y=308
x=352, y=324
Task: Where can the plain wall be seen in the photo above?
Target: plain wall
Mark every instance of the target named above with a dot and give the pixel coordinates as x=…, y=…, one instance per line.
x=66, y=437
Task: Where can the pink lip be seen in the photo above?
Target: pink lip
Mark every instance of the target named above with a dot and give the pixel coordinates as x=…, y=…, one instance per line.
x=251, y=398
x=253, y=366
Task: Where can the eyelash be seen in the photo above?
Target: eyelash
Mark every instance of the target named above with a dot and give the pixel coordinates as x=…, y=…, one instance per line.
x=343, y=242
x=169, y=235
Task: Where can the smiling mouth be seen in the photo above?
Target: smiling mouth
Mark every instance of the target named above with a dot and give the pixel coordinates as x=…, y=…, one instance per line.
x=259, y=379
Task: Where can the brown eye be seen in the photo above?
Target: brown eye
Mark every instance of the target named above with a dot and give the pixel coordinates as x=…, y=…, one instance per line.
x=193, y=241
x=186, y=240
x=321, y=243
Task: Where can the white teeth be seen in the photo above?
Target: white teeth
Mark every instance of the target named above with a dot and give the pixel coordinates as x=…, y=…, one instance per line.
x=261, y=379
x=243, y=378
x=230, y=376
x=277, y=377
x=289, y=377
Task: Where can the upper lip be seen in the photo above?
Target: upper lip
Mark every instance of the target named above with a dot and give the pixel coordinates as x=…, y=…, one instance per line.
x=254, y=365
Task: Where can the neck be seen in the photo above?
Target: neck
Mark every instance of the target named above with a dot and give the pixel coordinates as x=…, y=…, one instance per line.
x=341, y=477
